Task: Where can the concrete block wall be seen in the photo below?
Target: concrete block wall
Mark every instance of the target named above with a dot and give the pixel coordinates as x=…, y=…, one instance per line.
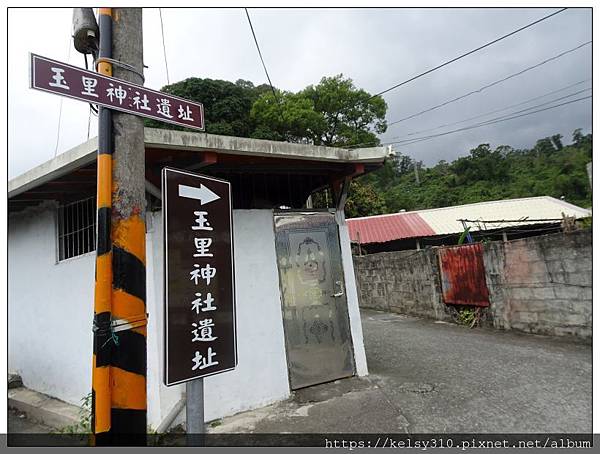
x=539, y=285
x=405, y=282
x=542, y=284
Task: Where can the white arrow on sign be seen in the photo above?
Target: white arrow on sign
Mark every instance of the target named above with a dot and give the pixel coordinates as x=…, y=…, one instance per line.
x=202, y=193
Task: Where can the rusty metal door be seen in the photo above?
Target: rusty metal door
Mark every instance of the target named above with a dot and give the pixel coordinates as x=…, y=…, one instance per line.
x=462, y=274
x=315, y=312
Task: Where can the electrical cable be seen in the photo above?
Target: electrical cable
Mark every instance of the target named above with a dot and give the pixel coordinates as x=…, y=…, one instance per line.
x=499, y=119
x=261, y=57
x=93, y=108
x=61, y=104
x=162, y=30
x=499, y=110
x=469, y=53
x=479, y=125
x=479, y=90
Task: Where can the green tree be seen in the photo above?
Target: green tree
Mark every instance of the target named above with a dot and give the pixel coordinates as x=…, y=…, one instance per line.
x=289, y=117
x=226, y=105
x=364, y=200
x=332, y=113
x=490, y=174
x=352, y=115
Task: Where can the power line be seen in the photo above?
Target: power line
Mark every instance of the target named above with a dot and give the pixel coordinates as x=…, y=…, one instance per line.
x=260, y=55
x=478, y=125
x=493, y=111
x=496, y=82
x=61, y=102
x=504, y=108
x=542, y=104
x=162, y=30
x=469, y=53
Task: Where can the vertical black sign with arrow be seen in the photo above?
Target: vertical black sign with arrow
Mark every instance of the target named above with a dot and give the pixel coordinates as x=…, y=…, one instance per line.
x=199, y=276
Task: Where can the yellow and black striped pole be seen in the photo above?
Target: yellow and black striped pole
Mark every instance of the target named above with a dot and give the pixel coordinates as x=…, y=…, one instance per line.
x=119, y=364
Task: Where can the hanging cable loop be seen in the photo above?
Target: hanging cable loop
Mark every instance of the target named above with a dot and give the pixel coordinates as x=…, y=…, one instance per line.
x=120, y=64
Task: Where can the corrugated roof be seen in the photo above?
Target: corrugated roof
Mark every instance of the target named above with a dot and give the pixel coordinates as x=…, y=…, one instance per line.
x=440, y=221
x=379, y=229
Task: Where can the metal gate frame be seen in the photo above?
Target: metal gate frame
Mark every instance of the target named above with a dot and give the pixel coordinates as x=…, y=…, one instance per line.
x=338, y=218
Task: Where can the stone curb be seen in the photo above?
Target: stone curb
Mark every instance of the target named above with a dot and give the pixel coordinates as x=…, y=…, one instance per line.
x=42, y=408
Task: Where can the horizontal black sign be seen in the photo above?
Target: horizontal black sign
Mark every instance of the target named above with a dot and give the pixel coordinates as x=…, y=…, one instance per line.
x=61, y=79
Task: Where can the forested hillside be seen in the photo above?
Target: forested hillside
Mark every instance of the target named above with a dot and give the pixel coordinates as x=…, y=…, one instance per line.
x=549, y=168
x=336, y=113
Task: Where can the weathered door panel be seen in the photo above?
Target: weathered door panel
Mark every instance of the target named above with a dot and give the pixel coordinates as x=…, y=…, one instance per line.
x=462, y=274
x=315, y=314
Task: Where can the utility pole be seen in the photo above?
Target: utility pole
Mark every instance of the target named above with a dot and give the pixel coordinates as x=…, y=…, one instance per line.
x=416, y=165
x=119, y=368
x=588, y=167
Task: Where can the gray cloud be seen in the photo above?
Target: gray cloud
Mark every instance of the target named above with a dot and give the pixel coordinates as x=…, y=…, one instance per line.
x=377, y=48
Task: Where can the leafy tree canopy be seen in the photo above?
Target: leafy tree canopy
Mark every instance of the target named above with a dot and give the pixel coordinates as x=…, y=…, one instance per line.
x=333, y=112
x=549, y=168
x=226, y=104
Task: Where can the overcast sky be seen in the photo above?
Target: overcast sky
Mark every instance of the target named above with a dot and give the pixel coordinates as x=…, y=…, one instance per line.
x=377, y=48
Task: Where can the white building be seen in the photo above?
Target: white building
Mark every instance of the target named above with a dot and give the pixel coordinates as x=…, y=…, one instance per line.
x=286, y=339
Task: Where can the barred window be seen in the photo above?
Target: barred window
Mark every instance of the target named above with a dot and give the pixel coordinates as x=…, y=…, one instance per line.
x=76, y=228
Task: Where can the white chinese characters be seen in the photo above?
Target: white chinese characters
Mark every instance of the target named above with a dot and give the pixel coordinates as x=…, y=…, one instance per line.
x=201, y=221
x=120, y=93
x=164, y=107
x=185, y=114
x=203, y=330
x=141, y=103
x=206, y=273
x=89, y=86
x=202, y=362
x=59, y=79
x=202, y=245
x=204, y=306
x=106, y=91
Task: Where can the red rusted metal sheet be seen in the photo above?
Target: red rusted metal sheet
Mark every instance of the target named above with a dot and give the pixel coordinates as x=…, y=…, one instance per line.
x=462, y=274
x=388, y=227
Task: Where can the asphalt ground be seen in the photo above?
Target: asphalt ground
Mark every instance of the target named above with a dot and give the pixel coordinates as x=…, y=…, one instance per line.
x=435, y=377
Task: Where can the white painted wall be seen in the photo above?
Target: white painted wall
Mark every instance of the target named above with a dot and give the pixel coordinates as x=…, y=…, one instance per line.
x=360, y=357
x=50, y=310
x=261, y=375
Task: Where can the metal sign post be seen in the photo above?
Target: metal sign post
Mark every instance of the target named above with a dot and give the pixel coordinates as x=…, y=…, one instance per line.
x=199, y=322
x=194, y=411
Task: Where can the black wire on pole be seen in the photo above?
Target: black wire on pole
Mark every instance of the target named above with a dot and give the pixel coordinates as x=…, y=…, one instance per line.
x=260, y=55
x=468, y=53
x=93, y=108
x=162, y=30
x=491, y=84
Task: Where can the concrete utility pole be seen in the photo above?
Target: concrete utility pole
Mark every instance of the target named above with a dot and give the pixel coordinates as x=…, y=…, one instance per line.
x=588, y=167
x=119, y=373
x=417, y=173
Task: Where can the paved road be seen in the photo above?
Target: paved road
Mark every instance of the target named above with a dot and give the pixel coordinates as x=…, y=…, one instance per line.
x=431, y=377
x=449, y=378
x=19, y=423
